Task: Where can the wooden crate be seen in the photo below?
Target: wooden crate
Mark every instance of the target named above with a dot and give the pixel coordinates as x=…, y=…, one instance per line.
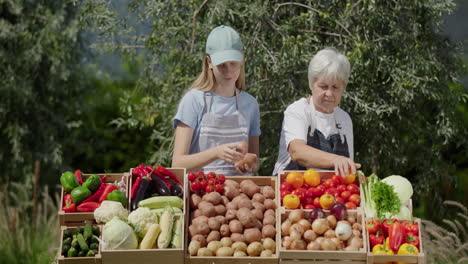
x=77, y=217
x=324, y=175
x=97, y=259
x=261, y=181
x=324, y=256
x=150, y=256
x=419, y=258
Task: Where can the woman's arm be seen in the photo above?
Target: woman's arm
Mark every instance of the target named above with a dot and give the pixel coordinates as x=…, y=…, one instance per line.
x=310, y=157
x=191, y=162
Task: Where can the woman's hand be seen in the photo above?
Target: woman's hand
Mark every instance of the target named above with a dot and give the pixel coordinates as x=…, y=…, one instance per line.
x=344, y=166
x=248, y=164
x=231, y=152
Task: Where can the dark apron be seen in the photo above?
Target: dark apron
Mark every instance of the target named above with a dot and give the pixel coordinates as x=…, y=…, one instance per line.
x=331, y=145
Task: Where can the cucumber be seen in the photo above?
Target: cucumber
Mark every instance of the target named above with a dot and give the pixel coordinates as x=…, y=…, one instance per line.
x=161, y=202
x=166, y=222
x=87, y=230
x=82, y=243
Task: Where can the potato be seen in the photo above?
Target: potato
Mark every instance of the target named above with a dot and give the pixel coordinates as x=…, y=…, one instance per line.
x=213, y=236
x=220, y=209
x=236, y=237
x=239, y=246
x=266, y=253
x=246, y=218
x=252, y=235
x=224, y=200
x=213, y=223
x=231, y=192
x=200, y=220
x=196, y=213
x=193, y=247
x=235, y=226
x=254, y=249
x=258, y=214
x=249, y=187
x=231, y=183
x=214, y=246
x=269, y=204
x=201, y=239
x=269, y=220
x=259, y=206
x=270, y=212
x=231, y=206
x=268, y=231
x=268, y=192
x=203, y=229
x=270, y=244
x=204, y=252
x=224, y=230
x=258, y=197
x=226, y=241
x=244, y=203
x=221, y=219
x=231, y=214
x=239, y=254
x=224, y=252
x=212, y=197
x=207, y=209
x=195, y=199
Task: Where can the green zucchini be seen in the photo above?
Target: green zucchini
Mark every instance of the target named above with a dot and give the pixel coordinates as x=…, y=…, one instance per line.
x=166, y=222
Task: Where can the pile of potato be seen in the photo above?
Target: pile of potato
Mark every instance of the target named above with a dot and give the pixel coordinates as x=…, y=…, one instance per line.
x=239, y=223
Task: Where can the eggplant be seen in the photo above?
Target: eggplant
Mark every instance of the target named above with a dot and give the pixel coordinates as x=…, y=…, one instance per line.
x=176, y=190
x=339, y=211
x=159, y=186
x=140, y=192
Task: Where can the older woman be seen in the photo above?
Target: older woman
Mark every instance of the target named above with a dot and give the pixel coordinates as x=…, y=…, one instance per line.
x=316, y=132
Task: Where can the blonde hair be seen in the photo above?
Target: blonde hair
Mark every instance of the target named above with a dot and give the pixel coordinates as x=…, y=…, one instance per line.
x=206, y=80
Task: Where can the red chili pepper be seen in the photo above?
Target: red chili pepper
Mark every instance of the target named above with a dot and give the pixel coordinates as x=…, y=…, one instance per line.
x=79, y=176
x=376, y=239
x=95, y=197
x=387, y=223
x=411, y=227
x=69, y=208
x=412, y=239
x=67, y=198
x=88, y=207
x=109, y=188
x=135, y=186
x=168, y=173
x=157, y=173
x=396, y=234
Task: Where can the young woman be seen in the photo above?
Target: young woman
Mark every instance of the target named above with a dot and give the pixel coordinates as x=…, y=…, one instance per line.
x=217, y=122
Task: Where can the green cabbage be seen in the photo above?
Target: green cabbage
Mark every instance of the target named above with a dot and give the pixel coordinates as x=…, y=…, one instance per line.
x=401, y=186
x=117, y=234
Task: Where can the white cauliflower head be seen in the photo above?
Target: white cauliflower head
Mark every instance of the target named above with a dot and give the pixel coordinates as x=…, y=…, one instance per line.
x=108, y=210
x=141, y=219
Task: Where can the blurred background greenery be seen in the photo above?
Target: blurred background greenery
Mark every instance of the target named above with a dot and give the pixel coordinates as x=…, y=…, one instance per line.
x=93, y=85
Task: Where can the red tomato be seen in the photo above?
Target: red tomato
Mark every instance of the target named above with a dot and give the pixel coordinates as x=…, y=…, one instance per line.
x=211, y=175
x=203, y=184
x=286, y=186
x=211, y=181
x=219, y=188
x=341, y=188
x=210, y=188
x=345, y=195
x=329, y=183
x=300, y=192
x=221, y=178
x=305, y=186
x=317, y=202
x=310, y=192
x=309, y=206
x=337, y=180
x=192, y=176
x=333, y=191
x=319, y=190
x=308, y=201
x=195, y=186
x=284, y=193
x=353, y=188
x=355, y=198
x=200, y=173
x=350, y=205
x=339, y=199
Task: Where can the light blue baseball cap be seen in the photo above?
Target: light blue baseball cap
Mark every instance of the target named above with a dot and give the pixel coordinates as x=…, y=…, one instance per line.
x=224, y=44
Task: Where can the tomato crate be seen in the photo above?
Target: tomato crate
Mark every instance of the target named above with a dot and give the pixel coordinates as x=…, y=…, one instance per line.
x=324, y=175
x=77, y=217
x=290, y=256
x=260, y=181
x=419, y=258
x=149, y=256
x=61, y=259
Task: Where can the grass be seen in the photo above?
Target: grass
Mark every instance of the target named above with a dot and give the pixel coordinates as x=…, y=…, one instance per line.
x=26, y=239
x=447, y=244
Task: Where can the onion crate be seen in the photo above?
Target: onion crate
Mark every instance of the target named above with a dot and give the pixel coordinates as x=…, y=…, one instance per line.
x=62, y=259
x=260, y=181
x=289, y=256
x=76, y=217
x=149, y=256
x=420, y=258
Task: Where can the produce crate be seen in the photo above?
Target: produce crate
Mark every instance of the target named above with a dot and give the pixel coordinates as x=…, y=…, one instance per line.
x=149, y=256
x=288, y=256
x=261, y=181
x=67, y=218
x=419, y=258
x=97, y=259
x=324, y=175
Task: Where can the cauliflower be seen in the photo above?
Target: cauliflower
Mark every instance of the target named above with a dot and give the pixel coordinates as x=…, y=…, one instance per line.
x=108, y=210
x=141, y=219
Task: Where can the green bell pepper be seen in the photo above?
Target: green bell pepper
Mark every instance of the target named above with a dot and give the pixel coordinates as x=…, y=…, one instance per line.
x=93, y=182
x=80, y=194
x=68, y=181
x=117, y=196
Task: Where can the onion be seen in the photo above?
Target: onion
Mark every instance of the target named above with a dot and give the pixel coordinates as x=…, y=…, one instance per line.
x=330, y=233
x=285, y=227
x=310, y=235
x=296, y=215
x=339, y=211
x=343, y=230
x=328, y=244
x=355, y=242
x=306, y=224
x=331, y=221
x=298, y=245
x=313, y=245
x=320, y=226
x=316, y=213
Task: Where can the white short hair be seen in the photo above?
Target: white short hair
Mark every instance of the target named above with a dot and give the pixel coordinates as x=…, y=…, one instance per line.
x=330, y=64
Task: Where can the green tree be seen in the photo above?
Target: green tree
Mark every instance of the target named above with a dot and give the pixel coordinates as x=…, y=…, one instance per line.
x=400, y=97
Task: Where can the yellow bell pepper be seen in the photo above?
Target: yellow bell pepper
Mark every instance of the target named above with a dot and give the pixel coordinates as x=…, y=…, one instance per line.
x=380, y=249
x=407, y=249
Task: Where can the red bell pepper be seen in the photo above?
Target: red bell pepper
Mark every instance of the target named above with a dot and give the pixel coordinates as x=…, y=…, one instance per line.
x=135, y=186
x=412, y=239
x=396, y=234
x=109, y=188
x=88, y=207
x=67, y=199
x=373, y=225
x=95, y=196
x=168, y=173
x=376, y=239
x=411, y=227
x=387, y=223
x=79, y=176
x=69, y=206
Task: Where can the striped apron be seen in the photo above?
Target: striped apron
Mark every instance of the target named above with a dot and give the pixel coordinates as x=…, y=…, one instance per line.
x=218, y=129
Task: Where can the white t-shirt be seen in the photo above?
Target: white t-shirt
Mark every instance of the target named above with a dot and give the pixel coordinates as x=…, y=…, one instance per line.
x=297, y=119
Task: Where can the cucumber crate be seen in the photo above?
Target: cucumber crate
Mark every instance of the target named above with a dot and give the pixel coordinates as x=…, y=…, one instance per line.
x=66, y=238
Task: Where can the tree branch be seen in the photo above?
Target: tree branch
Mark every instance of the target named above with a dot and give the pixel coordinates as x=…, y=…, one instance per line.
x=194, y=23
